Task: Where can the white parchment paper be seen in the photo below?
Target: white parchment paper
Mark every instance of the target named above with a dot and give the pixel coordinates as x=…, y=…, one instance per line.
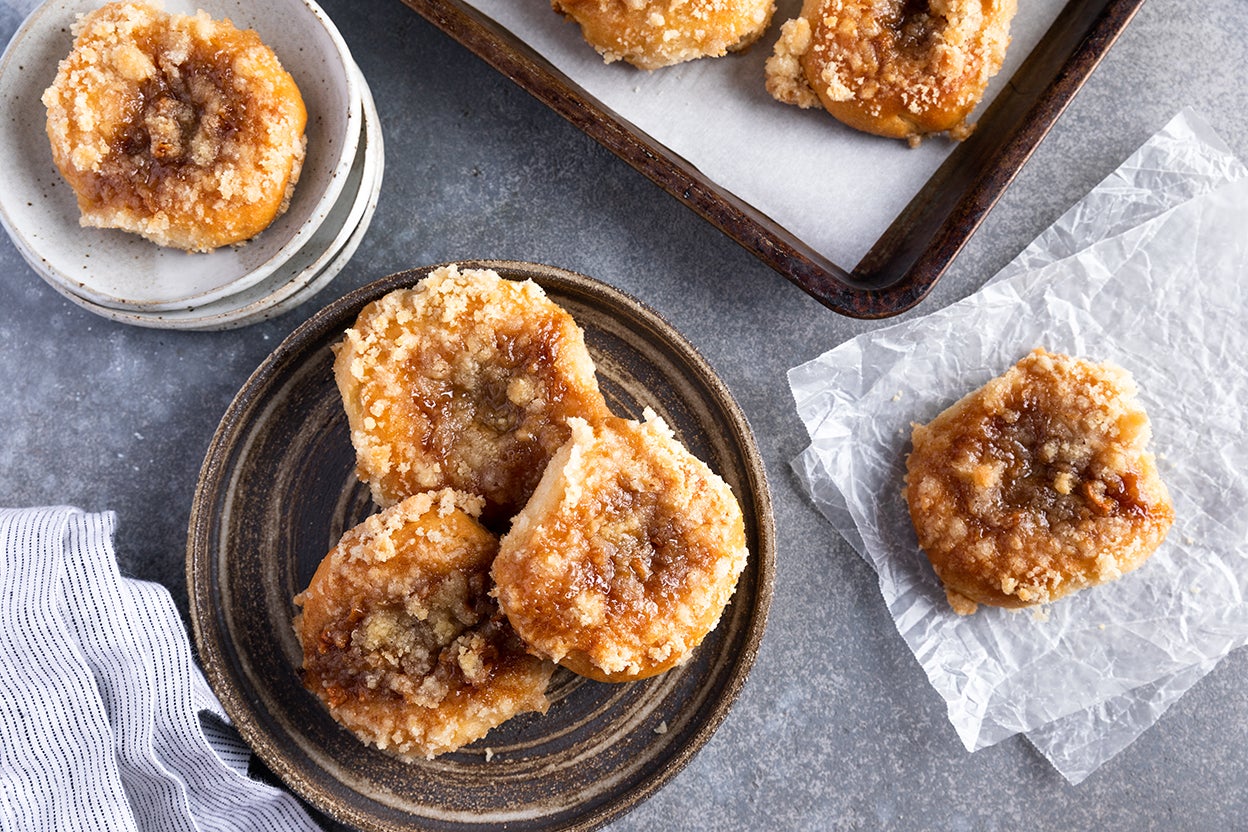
x=1149, y=271
x=836, y=189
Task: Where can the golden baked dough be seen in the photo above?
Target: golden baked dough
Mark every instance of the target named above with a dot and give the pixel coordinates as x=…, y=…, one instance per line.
x=1037, y=485
x=401, y=639
x=896, y=68
x=655, y=33
x=179, y=128
x=464, y=381
x=625, y=556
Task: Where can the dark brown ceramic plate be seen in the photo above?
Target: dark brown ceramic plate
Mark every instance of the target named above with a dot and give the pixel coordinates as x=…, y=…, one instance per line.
x=909, y=258
x=277, y=489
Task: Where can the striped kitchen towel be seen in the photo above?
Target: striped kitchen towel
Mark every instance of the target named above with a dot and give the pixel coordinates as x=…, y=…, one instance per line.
x=106, y=723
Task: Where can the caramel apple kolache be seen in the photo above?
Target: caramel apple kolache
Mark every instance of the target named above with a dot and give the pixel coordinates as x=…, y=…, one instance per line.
x=401, y=639
x=465, y=381
x=1037, y=485
x=626, y=555
x=650, y=34
x=182, y=129
x=897, y=68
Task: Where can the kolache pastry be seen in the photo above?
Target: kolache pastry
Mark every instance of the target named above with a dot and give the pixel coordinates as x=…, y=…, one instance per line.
x=182, y=129
x=625, y=556
x=401, y=639
x=465, y=381
x=650, y=34
x=472, y=403
x=897, y=68
x=1037, y=485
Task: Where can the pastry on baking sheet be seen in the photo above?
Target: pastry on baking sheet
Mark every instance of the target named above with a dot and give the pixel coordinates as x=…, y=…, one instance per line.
x=655, y=33
x=895, y=68
x=1037, y=485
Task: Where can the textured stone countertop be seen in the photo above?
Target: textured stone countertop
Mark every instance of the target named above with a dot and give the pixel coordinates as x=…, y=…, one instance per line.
x=837, y=728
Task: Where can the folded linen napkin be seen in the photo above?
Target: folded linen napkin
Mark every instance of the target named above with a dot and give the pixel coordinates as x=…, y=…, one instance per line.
x=105, y=720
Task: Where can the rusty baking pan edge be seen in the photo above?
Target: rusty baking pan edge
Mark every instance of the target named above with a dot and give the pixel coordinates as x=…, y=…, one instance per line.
x=912, y=254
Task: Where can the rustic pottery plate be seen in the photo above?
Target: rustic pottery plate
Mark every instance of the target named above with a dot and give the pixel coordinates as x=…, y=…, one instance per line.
x=276, y=491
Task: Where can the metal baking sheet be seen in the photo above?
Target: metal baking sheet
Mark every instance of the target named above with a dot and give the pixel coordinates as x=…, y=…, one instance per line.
x=888, y=273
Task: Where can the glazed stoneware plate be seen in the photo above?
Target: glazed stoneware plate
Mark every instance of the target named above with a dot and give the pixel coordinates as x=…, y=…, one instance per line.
x=115, y=269
x=276, y=491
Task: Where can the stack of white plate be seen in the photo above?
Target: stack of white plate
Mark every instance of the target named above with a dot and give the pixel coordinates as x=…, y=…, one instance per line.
x=126, y=278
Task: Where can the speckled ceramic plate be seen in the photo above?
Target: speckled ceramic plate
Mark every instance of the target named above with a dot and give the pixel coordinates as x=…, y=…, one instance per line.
x=118, y=270
x=276, y=491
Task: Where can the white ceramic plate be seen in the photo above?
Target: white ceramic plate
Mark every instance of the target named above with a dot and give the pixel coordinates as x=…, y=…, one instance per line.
x=121, y=270
x=298, y=297
x=308, y=271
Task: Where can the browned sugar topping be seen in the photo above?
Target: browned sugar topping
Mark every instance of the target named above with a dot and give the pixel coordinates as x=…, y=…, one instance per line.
x=385, y=651
x=1042, y=465
x=181, y=120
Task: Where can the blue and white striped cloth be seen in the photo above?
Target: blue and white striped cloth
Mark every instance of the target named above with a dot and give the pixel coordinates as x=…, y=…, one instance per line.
x=106, y=723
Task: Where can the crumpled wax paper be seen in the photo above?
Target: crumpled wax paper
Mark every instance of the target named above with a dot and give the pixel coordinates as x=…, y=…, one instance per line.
x=1149, y=271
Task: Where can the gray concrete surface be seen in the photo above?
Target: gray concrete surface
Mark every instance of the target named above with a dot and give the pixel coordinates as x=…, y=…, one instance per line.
x=837, y=727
